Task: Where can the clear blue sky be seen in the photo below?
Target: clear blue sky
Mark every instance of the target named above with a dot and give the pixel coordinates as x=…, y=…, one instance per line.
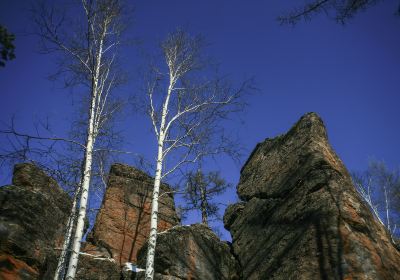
x=349, y=75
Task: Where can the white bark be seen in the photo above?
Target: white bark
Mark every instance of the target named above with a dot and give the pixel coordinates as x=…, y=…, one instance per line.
x=61, y=266
x=149, y=274
x=191, y=109
x=94, y=117
x=76, y=246
x=94, y=67
x=387, y=208
x=365, y=192
x=154, y=218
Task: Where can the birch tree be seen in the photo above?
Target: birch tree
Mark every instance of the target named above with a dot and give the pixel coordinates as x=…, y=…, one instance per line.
x=379, y=187
x=61, y=159
x=185, y=105
x=89, y=57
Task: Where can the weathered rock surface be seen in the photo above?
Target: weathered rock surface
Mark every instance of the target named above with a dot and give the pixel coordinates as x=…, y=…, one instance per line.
x=90, y=268
x=191, y=252
x=33, y=212
x=302, y=218
x=123, y=223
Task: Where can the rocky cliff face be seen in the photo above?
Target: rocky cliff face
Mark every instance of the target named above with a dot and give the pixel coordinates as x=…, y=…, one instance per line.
x=123, y=223
x=301, y=217
x=33, y=213
x=191, y=252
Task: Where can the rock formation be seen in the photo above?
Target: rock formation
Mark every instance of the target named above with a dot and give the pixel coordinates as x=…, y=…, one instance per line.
x=123, y=223
x=301, y=217
x=191, y=252
x=33, y=213
x=34, y=210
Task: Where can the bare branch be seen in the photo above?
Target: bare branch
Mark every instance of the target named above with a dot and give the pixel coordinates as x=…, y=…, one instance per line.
x=28, y=136
x=342, y=10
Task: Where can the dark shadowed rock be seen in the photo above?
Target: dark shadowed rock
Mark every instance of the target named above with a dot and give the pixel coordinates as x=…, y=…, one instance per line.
x=123, y=223
x=91, y=268
x=191, y=252
x=33, y=212
x=302, y=218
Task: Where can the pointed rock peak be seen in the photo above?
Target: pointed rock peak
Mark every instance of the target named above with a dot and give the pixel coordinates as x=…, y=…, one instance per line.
x=310, y=125
x=273, y=166
x=302, y=218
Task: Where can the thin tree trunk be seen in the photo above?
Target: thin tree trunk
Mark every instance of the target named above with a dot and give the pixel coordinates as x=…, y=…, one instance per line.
x=149, y=274
x=73, y=262
x=91, y=138
x=203, y=205
x=61, y=266
x=387, y=209
x=154, y=218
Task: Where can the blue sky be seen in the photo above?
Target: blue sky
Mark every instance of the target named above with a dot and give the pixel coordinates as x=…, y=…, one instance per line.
x=348, y=74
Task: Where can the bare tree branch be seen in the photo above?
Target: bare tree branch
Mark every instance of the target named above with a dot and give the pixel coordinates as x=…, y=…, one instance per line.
x=340, y=10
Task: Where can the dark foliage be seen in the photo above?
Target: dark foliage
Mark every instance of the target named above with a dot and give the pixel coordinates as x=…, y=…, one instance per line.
x=7, y=46
x=200, y=192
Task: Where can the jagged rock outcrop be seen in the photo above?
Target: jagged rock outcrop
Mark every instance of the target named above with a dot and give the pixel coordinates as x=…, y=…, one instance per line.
x=191, y=252
x=33, y=213
x=123, y=223
x=301, y=217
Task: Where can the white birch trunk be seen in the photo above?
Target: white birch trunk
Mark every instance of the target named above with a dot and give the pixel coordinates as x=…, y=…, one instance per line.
x=91, y=137
x=76, y=246
x=149, y=274
x=387, y=209
x=154, y=219
x=61, y=266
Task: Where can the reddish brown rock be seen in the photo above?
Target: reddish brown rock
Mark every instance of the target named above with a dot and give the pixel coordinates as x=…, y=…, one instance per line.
x=301, y=217
x=123, y=223
x=12, y=269
x=33, y=212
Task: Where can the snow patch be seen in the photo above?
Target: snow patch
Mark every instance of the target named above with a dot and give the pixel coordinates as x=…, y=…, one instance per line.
x=132, y=267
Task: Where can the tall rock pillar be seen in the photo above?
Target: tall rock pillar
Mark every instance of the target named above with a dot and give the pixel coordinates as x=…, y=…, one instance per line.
x=302, y=218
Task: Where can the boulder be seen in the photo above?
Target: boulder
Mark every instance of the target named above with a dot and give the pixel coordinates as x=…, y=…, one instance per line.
x=191, y=252
x=123, y=223
x=33, y=213
x=302, y=218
